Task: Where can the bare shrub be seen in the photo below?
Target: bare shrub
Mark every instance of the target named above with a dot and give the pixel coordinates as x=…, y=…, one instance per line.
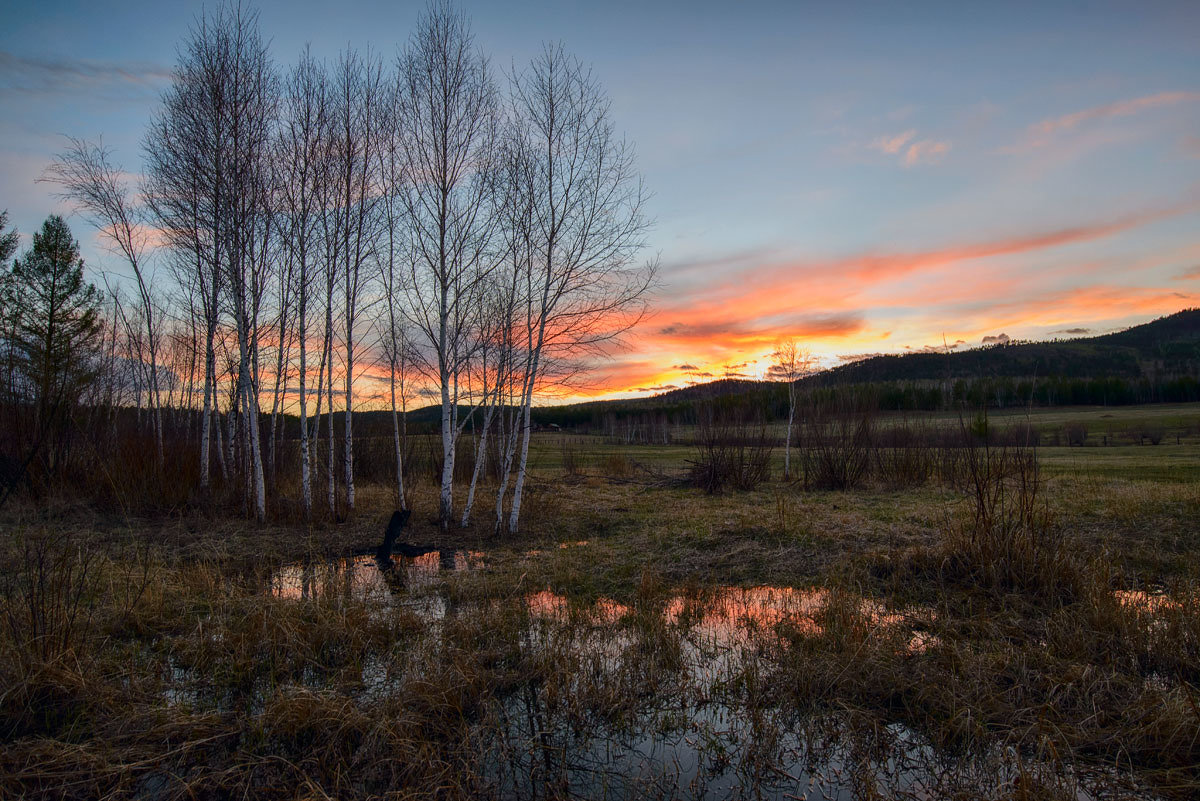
x=1009, y=541
x=902, y=455
x=570, y=452
x=1021, y=435
x=1077, y=432
x=45, y=598
x=838, y=434
x=617, y=464
x=1152, y=432
x=733, y=449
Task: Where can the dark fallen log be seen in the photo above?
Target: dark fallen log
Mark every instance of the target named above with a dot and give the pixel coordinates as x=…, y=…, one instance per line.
x=390, y=544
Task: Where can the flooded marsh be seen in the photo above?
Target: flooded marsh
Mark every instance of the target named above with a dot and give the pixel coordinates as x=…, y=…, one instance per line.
x=603, y=661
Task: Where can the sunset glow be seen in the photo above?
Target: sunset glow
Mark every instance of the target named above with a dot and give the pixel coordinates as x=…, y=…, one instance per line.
x=861, y=181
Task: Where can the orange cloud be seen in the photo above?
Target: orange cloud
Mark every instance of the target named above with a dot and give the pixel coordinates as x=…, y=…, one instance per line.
x=891, y=145
x=704, y=328
x=924, y=152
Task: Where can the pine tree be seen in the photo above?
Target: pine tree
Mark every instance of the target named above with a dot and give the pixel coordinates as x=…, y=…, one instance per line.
x=8, y=241
x=57, y=322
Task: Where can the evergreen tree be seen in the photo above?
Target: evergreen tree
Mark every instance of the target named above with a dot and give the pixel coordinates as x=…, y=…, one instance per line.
x=8, y=241
x=56, y=322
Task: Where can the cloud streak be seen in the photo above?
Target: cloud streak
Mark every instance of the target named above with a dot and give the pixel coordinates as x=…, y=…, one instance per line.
x=1042, y=133
x=927, y=151
x=34, y=75
x=911, y=150
x=891, y=145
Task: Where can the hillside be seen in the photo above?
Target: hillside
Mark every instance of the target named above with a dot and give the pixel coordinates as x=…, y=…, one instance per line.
x=1164, y=349
x=1166, y=345
x=1161, y=350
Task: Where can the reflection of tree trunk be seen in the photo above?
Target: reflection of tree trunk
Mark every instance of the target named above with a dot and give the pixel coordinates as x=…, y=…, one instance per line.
x=348, y=454
x=538, y=733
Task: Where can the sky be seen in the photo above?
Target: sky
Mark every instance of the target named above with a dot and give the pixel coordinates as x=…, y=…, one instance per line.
x=860, y=177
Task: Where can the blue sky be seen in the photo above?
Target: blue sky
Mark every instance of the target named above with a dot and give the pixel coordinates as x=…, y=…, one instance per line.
x=864, y=177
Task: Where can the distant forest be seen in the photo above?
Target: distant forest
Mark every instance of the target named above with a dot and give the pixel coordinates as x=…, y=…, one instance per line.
x=1158, y=362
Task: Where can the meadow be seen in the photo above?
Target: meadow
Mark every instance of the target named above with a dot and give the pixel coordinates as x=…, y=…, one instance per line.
x=1008, y=622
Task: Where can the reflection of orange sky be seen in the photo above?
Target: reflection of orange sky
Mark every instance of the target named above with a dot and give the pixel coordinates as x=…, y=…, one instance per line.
x=729, y=615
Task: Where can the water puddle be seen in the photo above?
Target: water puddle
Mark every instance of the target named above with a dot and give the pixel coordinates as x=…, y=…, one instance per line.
x=361, y=576
x=1149, y=601
x=655, y=698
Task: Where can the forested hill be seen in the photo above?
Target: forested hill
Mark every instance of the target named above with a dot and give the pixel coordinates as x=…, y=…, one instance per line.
x=1168, y=345
x=1159, y=360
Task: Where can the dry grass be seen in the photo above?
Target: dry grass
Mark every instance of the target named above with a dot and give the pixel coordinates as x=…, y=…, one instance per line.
x=149, y=659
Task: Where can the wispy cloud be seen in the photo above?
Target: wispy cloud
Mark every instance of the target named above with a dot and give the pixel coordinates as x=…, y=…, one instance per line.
x=912, y=151
x=891, y=145
x=749, y=332
x=925, y=152
x=41, y=75
x=1044, y=132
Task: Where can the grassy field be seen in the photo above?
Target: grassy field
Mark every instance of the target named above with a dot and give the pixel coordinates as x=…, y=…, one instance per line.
x=640, y=638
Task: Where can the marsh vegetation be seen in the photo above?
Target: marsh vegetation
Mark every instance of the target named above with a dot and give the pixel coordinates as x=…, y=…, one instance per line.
x=1006, y=622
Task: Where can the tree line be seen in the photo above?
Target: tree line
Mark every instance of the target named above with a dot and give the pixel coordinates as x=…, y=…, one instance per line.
x=305, y=237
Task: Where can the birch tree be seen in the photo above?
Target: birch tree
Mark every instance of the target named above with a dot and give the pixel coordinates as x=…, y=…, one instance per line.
x=448, y=106
x=791, y=363
x=88, y=178
x=187, y=188
x=394, y=338
x=356, y=135
x=207, y=183
x=583, y=285
x=300, y=159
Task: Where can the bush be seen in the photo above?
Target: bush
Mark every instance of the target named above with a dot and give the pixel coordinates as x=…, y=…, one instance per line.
x=1009, y=542
x=902, y=455
x=837, y=442
x=1154, y=433
x=733, y=449
x=1077, y=433
x=617, y=464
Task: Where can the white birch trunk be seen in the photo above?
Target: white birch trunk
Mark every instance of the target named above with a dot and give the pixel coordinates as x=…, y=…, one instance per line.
x=396, y=441
x=787, y=442
x=480, y=458
x=305, y=465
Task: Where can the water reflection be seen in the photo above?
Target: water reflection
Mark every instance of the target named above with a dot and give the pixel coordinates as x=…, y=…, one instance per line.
x=362, y=577
x=650, y=698
x=1152, y=602
x=723, y=616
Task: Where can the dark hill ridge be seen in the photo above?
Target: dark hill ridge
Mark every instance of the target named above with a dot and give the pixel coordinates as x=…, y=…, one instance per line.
x=1154, y=351
x=1163, y=348
x=1166, y=345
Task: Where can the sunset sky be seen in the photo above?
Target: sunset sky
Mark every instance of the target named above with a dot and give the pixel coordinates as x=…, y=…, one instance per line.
x=862, y=177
